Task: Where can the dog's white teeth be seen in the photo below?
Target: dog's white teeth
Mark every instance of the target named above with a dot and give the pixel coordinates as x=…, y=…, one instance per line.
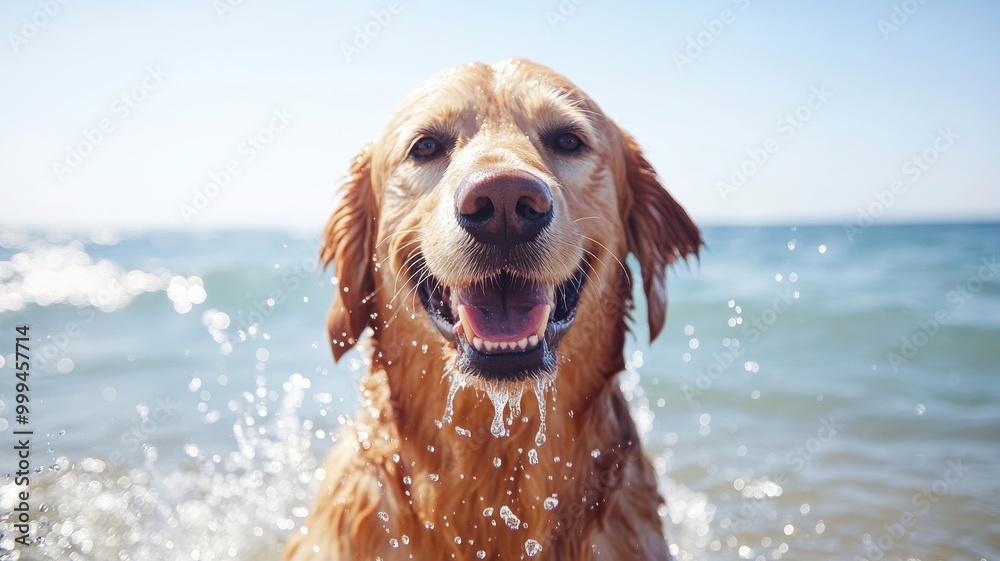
x=545, y=322
x=463, y=319
x=489, y=346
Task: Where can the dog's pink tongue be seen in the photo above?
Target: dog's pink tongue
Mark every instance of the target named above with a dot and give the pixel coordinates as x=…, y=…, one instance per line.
x=504, y=313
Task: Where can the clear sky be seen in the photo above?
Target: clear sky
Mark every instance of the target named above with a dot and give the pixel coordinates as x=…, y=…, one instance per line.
x=707, y=87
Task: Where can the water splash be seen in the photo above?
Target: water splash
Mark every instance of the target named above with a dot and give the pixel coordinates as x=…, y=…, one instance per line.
x=221, y=507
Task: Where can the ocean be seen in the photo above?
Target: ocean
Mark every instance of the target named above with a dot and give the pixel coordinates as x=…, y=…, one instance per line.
x=817, y=393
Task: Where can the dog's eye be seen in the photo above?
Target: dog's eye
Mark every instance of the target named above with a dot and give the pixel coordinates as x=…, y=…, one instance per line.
x=425, y=148
x=567, y=142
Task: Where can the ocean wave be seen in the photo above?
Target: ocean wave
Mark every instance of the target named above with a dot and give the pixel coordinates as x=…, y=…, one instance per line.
x=66, y=274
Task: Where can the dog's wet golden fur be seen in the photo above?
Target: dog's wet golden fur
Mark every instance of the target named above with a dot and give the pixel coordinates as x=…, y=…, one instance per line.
x=402, y=484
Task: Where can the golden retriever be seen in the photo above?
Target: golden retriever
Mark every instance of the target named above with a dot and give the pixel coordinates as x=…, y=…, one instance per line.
x=481, y=242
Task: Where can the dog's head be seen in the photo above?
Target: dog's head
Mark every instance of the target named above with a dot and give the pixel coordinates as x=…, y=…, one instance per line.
x=494, y=212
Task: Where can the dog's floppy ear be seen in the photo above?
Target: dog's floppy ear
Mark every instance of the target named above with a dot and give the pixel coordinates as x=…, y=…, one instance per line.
x=349, y=243
x=658, y=230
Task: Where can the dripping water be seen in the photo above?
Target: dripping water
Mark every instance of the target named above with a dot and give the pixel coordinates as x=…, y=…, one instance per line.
x=499, y=397
x=540, y=388
x=457, y=382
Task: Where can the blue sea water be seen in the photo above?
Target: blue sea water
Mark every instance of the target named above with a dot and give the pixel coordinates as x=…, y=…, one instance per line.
x=816, y=393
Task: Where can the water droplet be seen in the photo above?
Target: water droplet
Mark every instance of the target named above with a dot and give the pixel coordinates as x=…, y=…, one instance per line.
x=512, y=521
x=481, y=554
x=531, y=547
x=383, y=516
x=434, y=477
x=533, y=456
x=394, y=543
x=595, y=453
x=497, y=462
x=488, y=511
x=550, y=503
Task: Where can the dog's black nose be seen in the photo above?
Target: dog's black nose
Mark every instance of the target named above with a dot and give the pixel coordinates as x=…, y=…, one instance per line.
x=503, y=207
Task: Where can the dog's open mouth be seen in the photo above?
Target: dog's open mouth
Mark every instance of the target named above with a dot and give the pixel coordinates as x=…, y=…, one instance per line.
x=506, y=327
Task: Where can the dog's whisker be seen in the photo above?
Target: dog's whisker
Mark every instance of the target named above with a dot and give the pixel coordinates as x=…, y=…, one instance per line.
x=403, y=269
x=398, y=233
x=420, y=279
x=611, y=253
x=398, y=249
x=410, y=262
